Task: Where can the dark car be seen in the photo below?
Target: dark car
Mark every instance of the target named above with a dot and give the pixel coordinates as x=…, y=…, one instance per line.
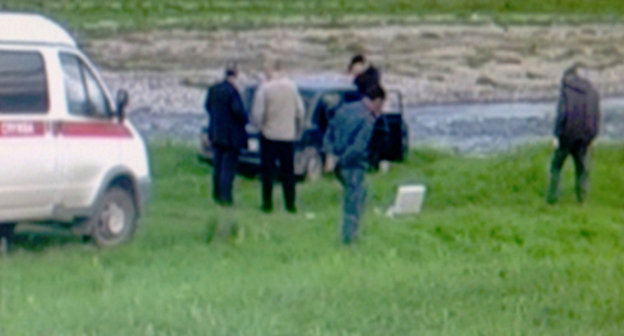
x=321, y=100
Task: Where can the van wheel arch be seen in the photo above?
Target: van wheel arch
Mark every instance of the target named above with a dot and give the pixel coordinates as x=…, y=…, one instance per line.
x=86, y=227
x=125, y=182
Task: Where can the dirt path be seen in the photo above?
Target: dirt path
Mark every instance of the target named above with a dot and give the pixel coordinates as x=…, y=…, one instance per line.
x=429, y=63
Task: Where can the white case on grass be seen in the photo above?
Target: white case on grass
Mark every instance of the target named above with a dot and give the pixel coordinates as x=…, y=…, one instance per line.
x=409, y=200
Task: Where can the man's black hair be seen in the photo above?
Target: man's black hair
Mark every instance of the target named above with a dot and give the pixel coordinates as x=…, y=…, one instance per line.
x=231, y=70
x=376, y=92
x=359, y=58
x=572, y=70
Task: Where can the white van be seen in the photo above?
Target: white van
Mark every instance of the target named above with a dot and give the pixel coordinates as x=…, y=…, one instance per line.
x=67, y=154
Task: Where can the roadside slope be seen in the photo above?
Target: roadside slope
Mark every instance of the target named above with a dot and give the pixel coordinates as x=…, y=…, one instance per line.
x=429, y=63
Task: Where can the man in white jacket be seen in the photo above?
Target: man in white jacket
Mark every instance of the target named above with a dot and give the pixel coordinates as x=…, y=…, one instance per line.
x=278, y=112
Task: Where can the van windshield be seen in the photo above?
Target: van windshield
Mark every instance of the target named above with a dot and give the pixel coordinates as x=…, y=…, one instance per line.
x=23, y=87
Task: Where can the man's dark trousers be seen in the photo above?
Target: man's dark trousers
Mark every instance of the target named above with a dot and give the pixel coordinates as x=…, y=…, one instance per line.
x=284, y=152
x=352, y=180
x=578, y=150
x=225, y=162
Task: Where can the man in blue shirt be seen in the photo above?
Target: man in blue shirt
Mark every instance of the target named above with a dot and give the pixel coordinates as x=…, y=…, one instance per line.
x=347, y=139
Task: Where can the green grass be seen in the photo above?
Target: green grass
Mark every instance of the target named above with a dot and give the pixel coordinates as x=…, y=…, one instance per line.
x=487, y=257
x=107, y=15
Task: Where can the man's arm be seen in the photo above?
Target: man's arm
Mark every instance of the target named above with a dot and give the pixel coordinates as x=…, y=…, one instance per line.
x=299, y=113
x=561, y=113
x=237, y=107
x=358, y=148
x=329, y=141
x=330, y=138
x=595, y=104
x=208, y=101
x=258, y=108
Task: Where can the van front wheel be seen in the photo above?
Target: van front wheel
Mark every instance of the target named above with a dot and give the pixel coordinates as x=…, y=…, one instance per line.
x=114, y=221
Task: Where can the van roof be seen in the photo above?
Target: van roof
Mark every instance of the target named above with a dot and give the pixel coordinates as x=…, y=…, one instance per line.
x=21, y=28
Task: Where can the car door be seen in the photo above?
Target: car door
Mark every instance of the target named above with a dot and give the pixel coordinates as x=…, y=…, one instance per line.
x=390, y=134
x=89, y=137
x=28, y=167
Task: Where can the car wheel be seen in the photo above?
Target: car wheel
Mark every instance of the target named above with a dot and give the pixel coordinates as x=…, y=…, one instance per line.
x=114, y=221
x=314, y=166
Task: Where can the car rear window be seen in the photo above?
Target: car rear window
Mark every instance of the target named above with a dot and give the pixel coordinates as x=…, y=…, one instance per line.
x=23, y=87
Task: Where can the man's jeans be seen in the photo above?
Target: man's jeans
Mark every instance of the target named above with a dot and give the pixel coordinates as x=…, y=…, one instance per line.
x=578, y=150
x=354, y=185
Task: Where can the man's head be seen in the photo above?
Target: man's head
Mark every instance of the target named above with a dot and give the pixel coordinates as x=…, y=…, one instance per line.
x=570, y=72
x=579, y=69
x=357, y=65
x=231, y=71
x=273, y=68
x=376, y=97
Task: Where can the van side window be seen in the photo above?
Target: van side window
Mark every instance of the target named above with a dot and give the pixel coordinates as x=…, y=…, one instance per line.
x=98, y=102
x=23, y=85
x=84, y=94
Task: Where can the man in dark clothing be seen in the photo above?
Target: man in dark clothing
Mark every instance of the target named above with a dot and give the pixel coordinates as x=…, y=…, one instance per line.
x=578, y=115
x=348, y=138
x=227, y=134
x=367, y=76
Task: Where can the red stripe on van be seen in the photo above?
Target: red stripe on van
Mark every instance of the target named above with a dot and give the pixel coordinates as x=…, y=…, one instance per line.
x=22, y=129
x=93, y=130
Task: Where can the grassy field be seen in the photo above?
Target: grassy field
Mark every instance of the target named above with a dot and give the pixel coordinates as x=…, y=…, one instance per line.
x=487, y=257
x=111, y=15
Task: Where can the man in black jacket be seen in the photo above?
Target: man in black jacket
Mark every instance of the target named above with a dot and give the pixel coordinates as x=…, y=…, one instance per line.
x=226, y=132
x=578, y=116
x=366, y=75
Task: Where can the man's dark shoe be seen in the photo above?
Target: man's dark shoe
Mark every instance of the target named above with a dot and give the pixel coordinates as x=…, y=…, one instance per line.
x=347, y=240
x=551, y=200
x=266, y=209
x=292, y=209
x=224, y=203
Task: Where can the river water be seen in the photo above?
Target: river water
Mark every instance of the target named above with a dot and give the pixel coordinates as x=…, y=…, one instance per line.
x=464, y=128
